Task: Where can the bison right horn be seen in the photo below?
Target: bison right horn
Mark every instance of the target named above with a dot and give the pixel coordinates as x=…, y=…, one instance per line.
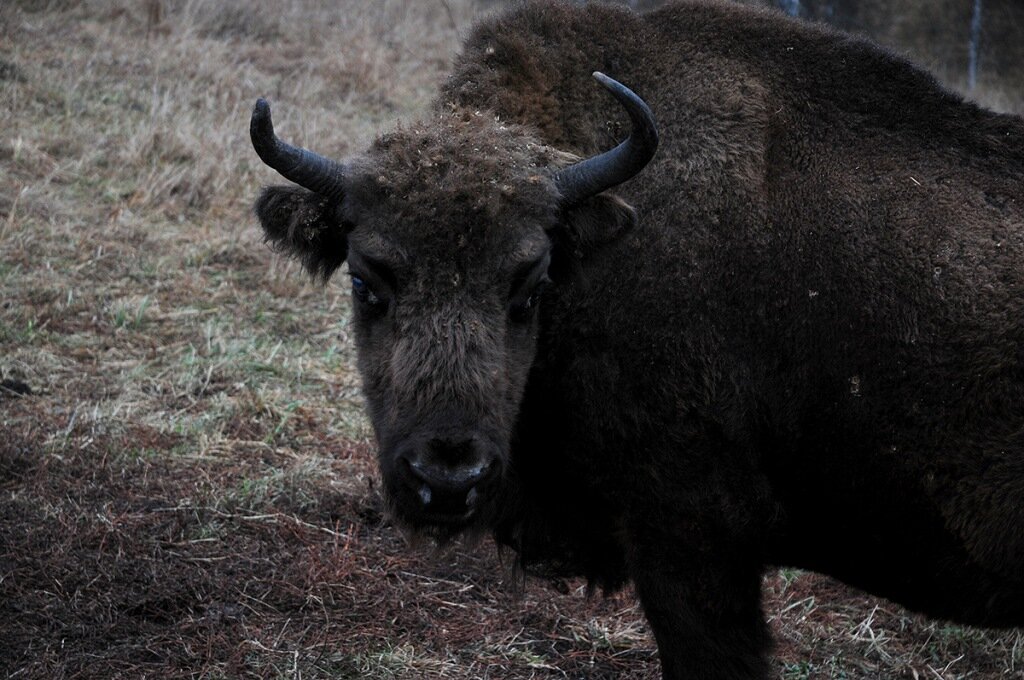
x=307, y=169
x=582, y=180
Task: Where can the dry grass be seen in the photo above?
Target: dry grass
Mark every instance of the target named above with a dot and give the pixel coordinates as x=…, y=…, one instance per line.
x=188, y=489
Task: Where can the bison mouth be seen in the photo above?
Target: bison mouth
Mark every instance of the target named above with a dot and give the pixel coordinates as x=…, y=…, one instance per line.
x=441, y=515
x=442, y=487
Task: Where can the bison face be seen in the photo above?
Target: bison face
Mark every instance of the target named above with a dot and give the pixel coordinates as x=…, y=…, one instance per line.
x=446, y=333
x=448, y=229
x=448, y=250
x=448, y=257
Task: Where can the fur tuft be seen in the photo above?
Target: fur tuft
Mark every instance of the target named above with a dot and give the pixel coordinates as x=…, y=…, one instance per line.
x=305, y=225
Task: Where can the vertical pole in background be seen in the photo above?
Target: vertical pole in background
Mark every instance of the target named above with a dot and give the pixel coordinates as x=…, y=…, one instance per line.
x=974, y=46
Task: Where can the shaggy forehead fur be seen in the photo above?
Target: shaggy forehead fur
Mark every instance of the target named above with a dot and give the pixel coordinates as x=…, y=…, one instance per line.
x=463, y=181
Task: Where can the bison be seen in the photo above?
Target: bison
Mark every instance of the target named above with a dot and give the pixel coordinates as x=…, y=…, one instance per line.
x=793, y=334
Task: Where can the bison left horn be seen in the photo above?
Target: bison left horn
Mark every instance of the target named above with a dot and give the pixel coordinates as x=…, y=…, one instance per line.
x=307, y=169
x=582, y=180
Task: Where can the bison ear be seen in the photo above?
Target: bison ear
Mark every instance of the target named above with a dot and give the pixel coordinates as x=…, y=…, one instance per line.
x=597, y=221
x=305, y=225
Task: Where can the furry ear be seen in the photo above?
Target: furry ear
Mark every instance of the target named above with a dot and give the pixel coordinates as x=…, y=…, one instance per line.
x=597, y=221
x=305, y=225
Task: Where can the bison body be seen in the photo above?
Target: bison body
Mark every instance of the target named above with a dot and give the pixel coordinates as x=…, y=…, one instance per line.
x=795, y=338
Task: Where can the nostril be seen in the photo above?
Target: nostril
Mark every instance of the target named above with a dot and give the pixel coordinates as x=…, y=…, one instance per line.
x=450, y=477
x=451, y=451
x=447, y=466
x=417, y=478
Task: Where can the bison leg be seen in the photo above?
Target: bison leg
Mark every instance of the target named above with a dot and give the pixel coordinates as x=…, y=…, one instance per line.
x=704, y=606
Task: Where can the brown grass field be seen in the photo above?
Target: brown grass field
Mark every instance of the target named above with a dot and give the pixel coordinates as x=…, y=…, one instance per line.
x=187, y=484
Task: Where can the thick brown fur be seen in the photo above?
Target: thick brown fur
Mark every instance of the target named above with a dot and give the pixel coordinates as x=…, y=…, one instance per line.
x=805, y=347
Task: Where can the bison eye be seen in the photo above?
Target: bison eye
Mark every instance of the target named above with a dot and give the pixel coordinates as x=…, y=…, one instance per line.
x=361, y=291
x=522, y=309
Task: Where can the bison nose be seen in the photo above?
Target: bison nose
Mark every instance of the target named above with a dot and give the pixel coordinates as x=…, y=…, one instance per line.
x=451, y=465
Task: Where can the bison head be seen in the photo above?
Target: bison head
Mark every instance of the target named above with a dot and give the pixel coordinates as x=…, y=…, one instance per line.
x=449, y=229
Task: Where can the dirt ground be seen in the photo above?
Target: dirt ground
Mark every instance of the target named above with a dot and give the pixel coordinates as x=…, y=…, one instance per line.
x=187, y=484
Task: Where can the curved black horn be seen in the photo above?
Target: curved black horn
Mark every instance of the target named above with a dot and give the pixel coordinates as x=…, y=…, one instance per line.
x=305, y=168
x=593, y=175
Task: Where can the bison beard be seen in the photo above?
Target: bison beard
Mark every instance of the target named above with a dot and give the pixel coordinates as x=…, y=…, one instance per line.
x=795, y=338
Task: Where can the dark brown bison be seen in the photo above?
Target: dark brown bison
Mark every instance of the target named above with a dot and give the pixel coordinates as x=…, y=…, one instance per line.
x=795, y=338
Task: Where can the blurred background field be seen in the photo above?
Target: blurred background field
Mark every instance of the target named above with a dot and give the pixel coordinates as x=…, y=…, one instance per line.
x=188, y=486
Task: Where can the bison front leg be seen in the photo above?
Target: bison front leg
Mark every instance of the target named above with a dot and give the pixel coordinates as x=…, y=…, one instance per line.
x=703, y=601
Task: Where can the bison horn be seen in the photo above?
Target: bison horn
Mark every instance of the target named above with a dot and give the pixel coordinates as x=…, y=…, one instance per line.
x=592, y=176
x=307, y=169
